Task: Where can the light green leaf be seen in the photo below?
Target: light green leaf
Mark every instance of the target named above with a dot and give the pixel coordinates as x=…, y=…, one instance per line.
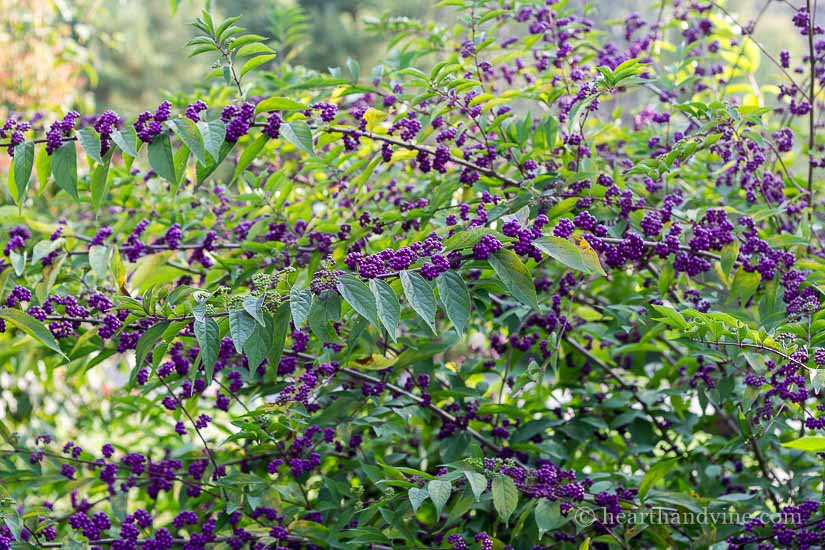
x=43, y=167
x=255, y=62
x=250, y=153
x=279, y=104
x=99, y=260
x=809, y=443
x=655, y=473
x=579, y=255
x=417, y=497
x=46, y=247
x=299, y=134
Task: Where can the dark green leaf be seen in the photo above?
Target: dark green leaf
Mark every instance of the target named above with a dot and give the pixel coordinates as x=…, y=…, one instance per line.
x=505, y=496
x=389, y=310
x=478, y=482
x=161, y=158
x=126, y=139
x=515, y=276
x=358, y=296
x=439, y=492
x=241, y=326
x=420, y=296
x=299, y=303
x=64, y=168
x=326, y=308
x=191, y=135
x=90, y=142
x=23, y=164
x=455, y=298
x=32, y=327
x=213, y=134
x=208, y=335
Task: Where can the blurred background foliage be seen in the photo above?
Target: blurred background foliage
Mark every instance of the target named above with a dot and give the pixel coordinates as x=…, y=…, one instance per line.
x=94, y=55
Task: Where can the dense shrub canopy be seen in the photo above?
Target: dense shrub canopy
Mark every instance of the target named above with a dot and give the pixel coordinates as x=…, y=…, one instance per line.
x=530, y=273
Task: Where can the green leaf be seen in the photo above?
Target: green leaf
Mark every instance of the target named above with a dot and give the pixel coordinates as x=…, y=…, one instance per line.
x=252, y=49
x=252, y=305
x=18, y=262
x=90, y=142
x=279, y=104
x=439, y=492
x=208, y=335
x=417, y=497
x=358, y=296
x=455, y=297
x=654, y=474
x=241, y=326
x=126, y=139
x=255, y=62
x=43, y=167
x=325, y=309
x=99, y=183
x=280, y=328
x=299, y=134
x=420, y=296
x=250, y=153
x=579, y=256
x=299, y=303
x=730, y=252
x=32, y=327
x=505, y=497
x=809, y=443
x=64, y=168
x=191, y=135
x=23, y=164
x=387, y=305
x=513, y=273
x=478, y=482
x=548, y=516
x=745, y=284
x=46, y=247
x=161, y=158
x=147, y=342
x=259, y=344
x=213, y=134
x=466, y=239
x=99, y=260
